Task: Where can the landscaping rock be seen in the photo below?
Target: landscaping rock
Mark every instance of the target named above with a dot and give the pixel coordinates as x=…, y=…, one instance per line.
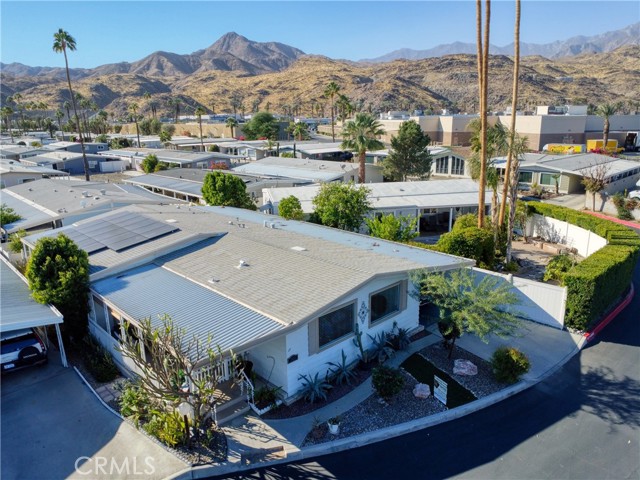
x=422, y=390
x=464, y=367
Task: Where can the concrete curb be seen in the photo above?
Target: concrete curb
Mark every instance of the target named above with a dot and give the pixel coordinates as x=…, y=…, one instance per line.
x=613, y=314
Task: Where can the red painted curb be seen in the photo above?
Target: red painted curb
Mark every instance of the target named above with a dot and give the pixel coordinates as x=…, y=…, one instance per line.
x=609, y=318
x=613, y=219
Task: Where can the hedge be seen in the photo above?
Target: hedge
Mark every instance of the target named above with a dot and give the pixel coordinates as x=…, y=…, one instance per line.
x=599, y=280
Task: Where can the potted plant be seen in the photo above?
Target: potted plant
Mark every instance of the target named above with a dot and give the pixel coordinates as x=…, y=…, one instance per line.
x=334, y=425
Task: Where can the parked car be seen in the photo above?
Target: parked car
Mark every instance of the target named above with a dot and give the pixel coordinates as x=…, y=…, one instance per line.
x=21, y=348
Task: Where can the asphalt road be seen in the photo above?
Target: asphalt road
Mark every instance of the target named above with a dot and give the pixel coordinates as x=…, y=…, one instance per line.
x=583, y=422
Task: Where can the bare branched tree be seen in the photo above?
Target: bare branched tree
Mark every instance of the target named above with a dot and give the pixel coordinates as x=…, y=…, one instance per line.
x=595, y=179
x=171, y=369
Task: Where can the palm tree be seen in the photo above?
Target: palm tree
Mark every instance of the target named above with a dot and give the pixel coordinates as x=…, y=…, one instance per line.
x=361, y=134
x=133, y=108
x=331, y=91
x=301, y=131
x=232, y=123
x=175, y=102
x=61, y=42
x=152, y=104
x=605, y=111
x=6, y=113
x=514, y=102
x=199, y=112
x=66, y=105
x=483, y=67
x=518, y=146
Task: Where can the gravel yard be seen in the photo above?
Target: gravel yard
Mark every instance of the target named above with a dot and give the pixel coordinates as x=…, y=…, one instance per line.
x=373, y=414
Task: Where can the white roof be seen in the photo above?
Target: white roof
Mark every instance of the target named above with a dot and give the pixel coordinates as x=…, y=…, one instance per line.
x=390, y=195
x=17, y=309
x=307, y=169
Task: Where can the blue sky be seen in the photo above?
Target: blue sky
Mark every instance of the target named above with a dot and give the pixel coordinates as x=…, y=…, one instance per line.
x=109, y=32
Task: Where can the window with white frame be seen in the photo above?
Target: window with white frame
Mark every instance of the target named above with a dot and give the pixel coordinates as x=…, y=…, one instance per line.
x=457, y=166
x=442, y=165
x=547, y=179
x=525, y=177
x=385, y=303
x=99, y=314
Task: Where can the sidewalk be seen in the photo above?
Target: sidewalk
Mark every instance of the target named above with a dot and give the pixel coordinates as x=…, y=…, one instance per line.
x=547, y=348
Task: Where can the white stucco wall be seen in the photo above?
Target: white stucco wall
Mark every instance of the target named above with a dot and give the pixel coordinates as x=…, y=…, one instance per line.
x=557, y=231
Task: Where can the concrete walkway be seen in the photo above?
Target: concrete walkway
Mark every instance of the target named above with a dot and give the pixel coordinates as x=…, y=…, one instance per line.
x=547, y=348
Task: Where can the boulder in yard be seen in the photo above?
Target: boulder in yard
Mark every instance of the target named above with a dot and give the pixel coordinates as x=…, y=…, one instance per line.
x=464, y=367
x=422, y=390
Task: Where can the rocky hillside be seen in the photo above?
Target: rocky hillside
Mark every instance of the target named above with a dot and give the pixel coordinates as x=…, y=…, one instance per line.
x=444, y=82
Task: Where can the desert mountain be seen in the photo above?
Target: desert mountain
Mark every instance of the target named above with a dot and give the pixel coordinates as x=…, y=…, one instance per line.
x=232, y=52
x=603, y=43
x=433, y=83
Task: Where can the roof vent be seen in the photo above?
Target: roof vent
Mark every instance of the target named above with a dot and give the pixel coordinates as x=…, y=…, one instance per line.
x=243, y=263
x=171, y=220
x=85, y=193
x=299, y=249
x=213, y=280
x=103, y=192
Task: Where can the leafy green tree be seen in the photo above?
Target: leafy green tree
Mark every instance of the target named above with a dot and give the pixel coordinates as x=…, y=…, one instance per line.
x=199, y=112
x=261, y=125
x=149, y=163
x=409, y=155
x=360, y=135
x=595, y=179
x=8, y=215
x=61, y=42
x=150, y=126
x=58, y=273
x=390, y=227
x=6, y=113
x=164, y=136
x=102, y=138
x=467, y=306
x=301, y=131
x=119, y=142
x=342, y=205
x=226, y=190
x=330, y=91
x=290, y=208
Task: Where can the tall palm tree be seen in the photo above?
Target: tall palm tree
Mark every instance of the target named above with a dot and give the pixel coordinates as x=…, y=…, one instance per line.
x=514, y=102
x=6, y=113
x=605, y=111
x=61, y=42
x=232, y=123
x=518, y=146
x=330, y=91
x=67, y=106
x=199, y=112
x=175, y=103
x=301, y=131
x=361, y=134
x=133, y=108
x=483, y=64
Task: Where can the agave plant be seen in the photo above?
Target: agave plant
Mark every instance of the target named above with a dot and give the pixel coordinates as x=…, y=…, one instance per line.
x=380, y=347
x=314, y=388
x=340, y=371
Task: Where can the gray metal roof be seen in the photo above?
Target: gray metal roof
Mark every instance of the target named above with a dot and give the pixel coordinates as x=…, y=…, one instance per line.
x=389, y=195
x=191, y=187
x=306, y=169
x=17, y=309
x=165, y=155
x=152, y=291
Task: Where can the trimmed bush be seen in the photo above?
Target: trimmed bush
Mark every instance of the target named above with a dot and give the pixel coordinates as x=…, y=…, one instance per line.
x=471, y=242
x=387, y=381
x=558, y=266
x=599, y=280
x=509, y=364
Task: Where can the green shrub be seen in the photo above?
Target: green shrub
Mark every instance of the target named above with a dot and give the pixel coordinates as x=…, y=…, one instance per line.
x=169, y=428
x=15, y=241
x=99, y=361
x=266, y=395
x=509, y=364
x=471, y=242
x=134, y=403
x=465, y=221
x=599, y=280
x=558, y=266
x=387, y=381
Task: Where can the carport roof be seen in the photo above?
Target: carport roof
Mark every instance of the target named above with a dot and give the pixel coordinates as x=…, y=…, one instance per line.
x=17, y=309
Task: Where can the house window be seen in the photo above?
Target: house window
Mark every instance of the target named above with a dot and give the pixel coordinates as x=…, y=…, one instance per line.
x=547, y=179
x=442, y=165
x=336, y=324
x=525, y=177
x=115, y=319
x=385, y=303
x=457, y=166
x=99, y=315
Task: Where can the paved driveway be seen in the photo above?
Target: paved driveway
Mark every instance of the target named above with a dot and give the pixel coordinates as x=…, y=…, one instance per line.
x=52, y=423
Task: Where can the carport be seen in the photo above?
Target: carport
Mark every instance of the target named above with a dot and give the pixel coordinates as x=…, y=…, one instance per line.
x=18, y=310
